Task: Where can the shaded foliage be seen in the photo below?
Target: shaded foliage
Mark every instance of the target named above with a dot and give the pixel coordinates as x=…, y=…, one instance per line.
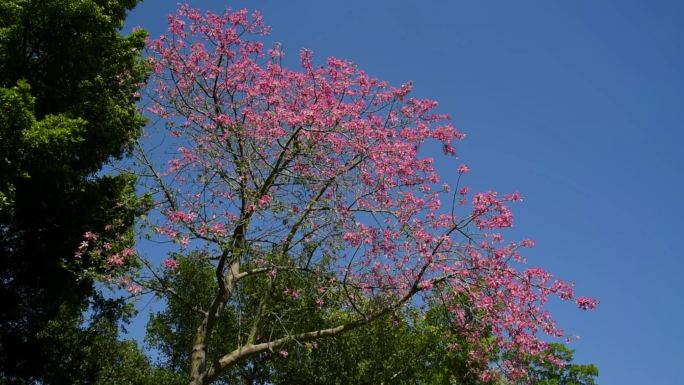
x=67, y=106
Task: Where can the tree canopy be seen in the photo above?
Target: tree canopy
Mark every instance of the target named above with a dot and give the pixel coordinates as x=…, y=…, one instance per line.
x=311, y=213
x=68, y=83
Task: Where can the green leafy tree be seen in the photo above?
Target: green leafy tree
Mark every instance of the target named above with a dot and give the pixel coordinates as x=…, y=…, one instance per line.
x=546, y=373
x=68, y=82
x=92, y=353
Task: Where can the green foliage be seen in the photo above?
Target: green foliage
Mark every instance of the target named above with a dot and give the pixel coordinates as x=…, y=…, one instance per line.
x=171, y=331
x=398, y=349
x=77, y=344
x=402, y=348
x=67, y=106
x=92, y=353
x=544, y=373
x=27, y=143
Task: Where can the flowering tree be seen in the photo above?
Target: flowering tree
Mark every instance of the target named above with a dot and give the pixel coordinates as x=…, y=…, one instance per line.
x=306, y=189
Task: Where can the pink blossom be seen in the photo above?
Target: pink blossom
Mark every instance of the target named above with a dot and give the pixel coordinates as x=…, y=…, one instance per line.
x=134, y=289
x=586, y=303
x=426, y=285
x=527, y=243
x=295, y=294
x=264, y=200
x=171, y=263
x=513, y=197
x=184, y=242
x=180, y=216
x=218, y=229
x=115, y=260
x=462, y=169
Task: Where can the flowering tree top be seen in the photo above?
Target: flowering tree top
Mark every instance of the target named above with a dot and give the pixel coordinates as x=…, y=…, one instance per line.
x=317, y=171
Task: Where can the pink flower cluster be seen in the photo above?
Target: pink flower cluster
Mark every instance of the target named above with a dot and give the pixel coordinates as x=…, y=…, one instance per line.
x=586, y=303
x=171, y=264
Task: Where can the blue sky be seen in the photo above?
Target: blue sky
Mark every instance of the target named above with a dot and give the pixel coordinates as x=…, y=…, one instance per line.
x=577, y=104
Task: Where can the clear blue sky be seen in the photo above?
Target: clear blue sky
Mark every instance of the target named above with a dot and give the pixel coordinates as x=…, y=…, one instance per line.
x=577, y=104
